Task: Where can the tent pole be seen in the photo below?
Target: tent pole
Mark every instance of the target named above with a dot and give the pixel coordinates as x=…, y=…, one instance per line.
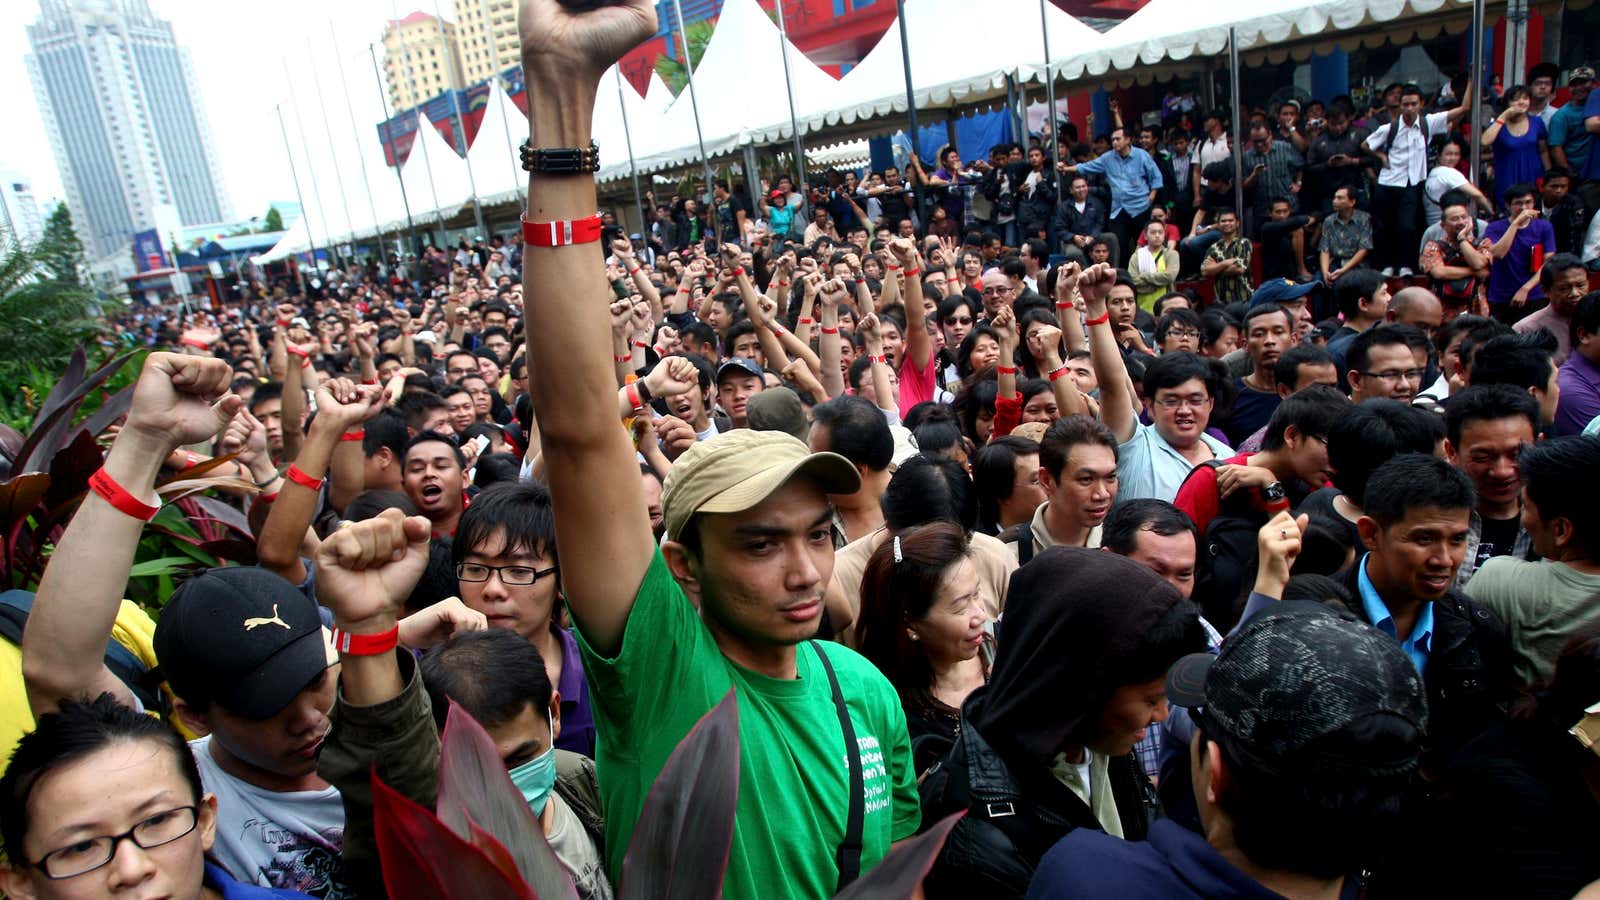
x=461, y=125
x=422, y=122
x=911, y=102
x=327, y=128
x=694, y=103
x=1233, y=101
x=794, y=122
x=1050, y=96
x=311, y=170
x=411, y=227
x=1475, y=88
x=355, y=137
x=499, y=78
x=627, y=136
x=295, y=177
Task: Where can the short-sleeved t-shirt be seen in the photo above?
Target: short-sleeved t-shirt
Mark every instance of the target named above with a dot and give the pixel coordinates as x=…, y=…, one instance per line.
x=290, y=841
x=1148, y=466
x=1509, y=273
x=793, y=771
x=1543, y=604
x=915, y=386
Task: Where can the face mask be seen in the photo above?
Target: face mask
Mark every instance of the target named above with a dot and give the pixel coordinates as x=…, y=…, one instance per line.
x=537, y=776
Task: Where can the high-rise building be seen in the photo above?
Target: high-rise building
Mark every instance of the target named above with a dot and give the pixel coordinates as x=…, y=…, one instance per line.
x=122, y=112
x=19, y=212
x=420, y=59
x=481, y=22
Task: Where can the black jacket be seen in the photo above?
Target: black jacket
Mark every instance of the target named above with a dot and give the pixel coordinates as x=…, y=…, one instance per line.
x=1092, y=221
x=1468, y=676
x=1010, y=822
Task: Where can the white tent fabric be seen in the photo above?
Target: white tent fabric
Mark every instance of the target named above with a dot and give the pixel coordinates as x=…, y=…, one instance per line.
x=296, y=239
x=435, y=177
x=657, y=96
x=956, y=51
x=496, y=165
x=1175, y=30
x=642, y=119
x=734, y=84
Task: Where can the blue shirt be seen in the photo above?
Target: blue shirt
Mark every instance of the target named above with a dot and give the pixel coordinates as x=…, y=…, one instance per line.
x=1131, y=177
x=1568, y=133
x=1420, y=644
x=1591, y=165
x=1148, y=466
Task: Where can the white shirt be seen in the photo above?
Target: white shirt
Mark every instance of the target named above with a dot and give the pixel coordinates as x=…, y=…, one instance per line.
x=1209, y=151
x=1591, y=241
x=1408, y=155
x=1441, y=180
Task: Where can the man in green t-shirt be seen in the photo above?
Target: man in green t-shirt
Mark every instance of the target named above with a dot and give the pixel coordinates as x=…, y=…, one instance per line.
x=733, y=594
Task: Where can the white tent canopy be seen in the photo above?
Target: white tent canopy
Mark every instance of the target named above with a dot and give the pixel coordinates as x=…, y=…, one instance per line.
x=1174, y=30
x=444, y=193
x=496, y=166
x=616, y=95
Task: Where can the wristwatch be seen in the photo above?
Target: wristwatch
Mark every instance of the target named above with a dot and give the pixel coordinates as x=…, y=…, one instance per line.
x=1275, y=496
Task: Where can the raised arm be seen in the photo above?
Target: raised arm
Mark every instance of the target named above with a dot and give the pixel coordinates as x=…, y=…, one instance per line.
x=830, y=348
x=919, y=346
x=623, y=250
x=564, y=52
x=872, y=342
x=1068, y=315
x=1069, y=400
x=178, y=400
x=1116, y=402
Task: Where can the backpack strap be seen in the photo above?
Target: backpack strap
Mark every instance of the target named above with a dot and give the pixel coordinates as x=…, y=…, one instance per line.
x=15, y=605
x=1024, y=543
x=849, y=854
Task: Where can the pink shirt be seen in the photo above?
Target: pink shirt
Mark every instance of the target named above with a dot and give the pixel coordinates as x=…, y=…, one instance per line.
x=916, y=387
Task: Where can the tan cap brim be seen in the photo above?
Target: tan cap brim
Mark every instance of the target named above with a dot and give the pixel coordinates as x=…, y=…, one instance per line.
x=829, y=471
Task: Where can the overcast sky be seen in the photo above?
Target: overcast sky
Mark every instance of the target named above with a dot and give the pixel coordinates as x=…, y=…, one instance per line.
x=239, y=52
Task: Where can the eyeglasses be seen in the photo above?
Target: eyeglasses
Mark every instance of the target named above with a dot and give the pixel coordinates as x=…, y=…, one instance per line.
x=1395, y=375
x=953, y=320
x=1193, y=401
x=991, y=291
x=471, y=371
x=513, y=575
x=92, y=853
x=1183, y=333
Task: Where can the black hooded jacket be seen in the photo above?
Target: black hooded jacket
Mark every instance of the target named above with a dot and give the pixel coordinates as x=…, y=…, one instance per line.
x=1074, y=624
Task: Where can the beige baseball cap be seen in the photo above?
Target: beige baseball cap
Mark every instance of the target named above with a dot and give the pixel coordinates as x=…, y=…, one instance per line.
x=737, y=470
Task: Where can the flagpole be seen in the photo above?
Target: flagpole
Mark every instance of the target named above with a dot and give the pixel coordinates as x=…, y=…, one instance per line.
x=461, y=125
x=355, y=136
x=422, y=122
x=311, y=170
x=327, y=129
x=1050, y=97
x=388, y=131
x=494, y=60
x=911, y=99
x=295, y=177
x=794, y=121
x=694, y=104
x=627, y=136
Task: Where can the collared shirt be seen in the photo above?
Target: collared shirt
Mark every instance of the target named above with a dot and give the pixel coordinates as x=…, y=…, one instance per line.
x=1420, y=643
x=1232, y=288
x=1148, y=466
x=1212, y=150
x=1131, y=177
x=1408, y=155
x=1044, y=540
x=1283, y=164
x=577, y=719
x=1342, y=240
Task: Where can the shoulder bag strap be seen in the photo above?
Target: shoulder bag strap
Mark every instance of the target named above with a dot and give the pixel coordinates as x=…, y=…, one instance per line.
x=1024, y=542
x=849, y=855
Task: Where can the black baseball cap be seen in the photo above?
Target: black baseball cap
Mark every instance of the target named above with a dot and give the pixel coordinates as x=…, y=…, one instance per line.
x=1301, y=685
x=240, y=637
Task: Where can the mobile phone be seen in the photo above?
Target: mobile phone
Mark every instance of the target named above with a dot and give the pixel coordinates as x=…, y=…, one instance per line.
x=481, y=442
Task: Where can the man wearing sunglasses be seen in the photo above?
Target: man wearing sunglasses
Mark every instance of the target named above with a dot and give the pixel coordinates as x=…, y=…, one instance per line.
x=504, y=554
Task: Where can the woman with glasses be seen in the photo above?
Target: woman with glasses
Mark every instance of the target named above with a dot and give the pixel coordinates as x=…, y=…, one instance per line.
x=101, y=800
x=505, y=562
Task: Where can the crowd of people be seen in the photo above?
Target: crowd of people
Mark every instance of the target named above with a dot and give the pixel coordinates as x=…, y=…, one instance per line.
x=1184, y=550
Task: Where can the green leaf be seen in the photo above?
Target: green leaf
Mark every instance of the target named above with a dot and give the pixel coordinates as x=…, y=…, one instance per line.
x=166, y=565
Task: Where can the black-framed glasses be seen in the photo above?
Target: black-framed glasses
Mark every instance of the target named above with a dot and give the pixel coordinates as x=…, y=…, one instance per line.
x=1396, y=375
x=91, y=853
x=514, y=575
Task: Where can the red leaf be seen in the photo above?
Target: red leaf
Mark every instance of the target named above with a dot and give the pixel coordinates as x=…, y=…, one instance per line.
x=474, y=787
x=424, y=860
x=70, y=469
x=681, y=842
x=898, y=874
x=494, y=850
x=19, y=495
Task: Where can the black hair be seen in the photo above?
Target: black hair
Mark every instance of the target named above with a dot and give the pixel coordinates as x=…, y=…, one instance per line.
x=416, y=406
x=77, y=729
x=269, y=390
x=496, y=468
x=1349, y=821
x=1174, y=317
x=857, y=431
x=1286, y=370
x=1415, y=481
x=928, y=411
x=450, y=390
x=735, y=331
x=697, y=334
x=1559, y=476
x=1325, y=547
x=994, y=475
x=1558, y=264
x=1359, y=442
x=1312, y=412
x=1213, y=323
x=1520, y=360
x=929, y=489
x=1119, y=533
x=386, y=430
x=899, y=586
x=1452, y=327
x=493, y=675
x=1354, y=287
x=1586, y=317
x=1266, y=309
x=1358, y=351
x=1487, y=402
x=1175, y=636
x=977, y=399
x=948, y=306
x=1316, y=588
x=368, y=504
x=1518, y=191
x=521, y=508
x=970, y=343
x=937, y=437
x=426, y=437
x=1173, y=369
x=1068, y=432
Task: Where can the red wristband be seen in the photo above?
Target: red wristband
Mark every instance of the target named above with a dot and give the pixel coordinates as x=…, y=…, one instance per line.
x=118, y=496
x=622, y=359
x=1057, y=373
x=827, y=330
x=369, y=381
x=366, y=644
x=738, y=272
x=635, y=270
x=296, y=351
x=1006, y=370
x=640, y=344
x=285, y=323
x=633, y=395
x=805, y=321
x=912, y=273
x=195, y=343
x=778, y=329
x=267, y=498
x=298, y=477
x=562, y=232
x=356, y=435
x=1099, y=320
x=880, y=358
x=1064, y=304
x=190, y=459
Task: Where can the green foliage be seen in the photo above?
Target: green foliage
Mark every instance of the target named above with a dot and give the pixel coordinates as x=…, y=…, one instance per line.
x=671, y=70
x=43, y=316
x=273, y=221
x=60, y=250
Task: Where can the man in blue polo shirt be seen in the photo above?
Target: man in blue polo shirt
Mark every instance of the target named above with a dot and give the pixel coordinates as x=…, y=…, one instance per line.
x=1135, y=180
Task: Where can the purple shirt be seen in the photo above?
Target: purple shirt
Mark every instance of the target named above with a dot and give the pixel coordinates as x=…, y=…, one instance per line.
x=1508, y=274
x=577, y=717
x=1579, y=380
